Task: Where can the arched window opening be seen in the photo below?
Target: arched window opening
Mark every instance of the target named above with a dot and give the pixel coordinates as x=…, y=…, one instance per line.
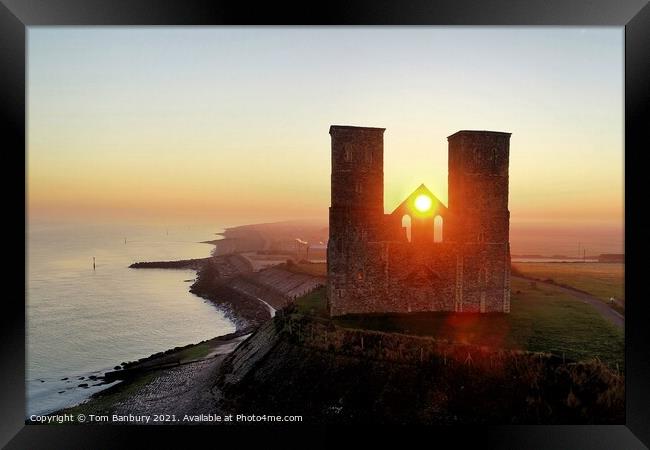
x=347, y=153
x=437, y=229
x=406, y=224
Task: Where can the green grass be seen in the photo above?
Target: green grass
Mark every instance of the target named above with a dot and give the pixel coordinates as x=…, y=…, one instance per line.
x=547, y=319
x=542, y=319
x=602, y=280
x=196, y=351
x=313, y=304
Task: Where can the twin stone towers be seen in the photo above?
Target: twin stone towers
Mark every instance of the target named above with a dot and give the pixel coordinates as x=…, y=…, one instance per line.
x=377, y=263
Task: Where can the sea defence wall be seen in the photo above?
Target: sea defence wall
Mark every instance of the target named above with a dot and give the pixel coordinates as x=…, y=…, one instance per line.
x=249, y=353
x=230, y=281
x=249, y=285
x=232, y=265
x=291, y=284
x=277, y=286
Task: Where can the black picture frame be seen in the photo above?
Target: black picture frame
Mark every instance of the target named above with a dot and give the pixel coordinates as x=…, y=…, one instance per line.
x=634, y=15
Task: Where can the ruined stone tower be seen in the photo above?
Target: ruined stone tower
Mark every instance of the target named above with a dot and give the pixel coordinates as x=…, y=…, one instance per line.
x=479, y=220
x=375, y=264
x=357, y=205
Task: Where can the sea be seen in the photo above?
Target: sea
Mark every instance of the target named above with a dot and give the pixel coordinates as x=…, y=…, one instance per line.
x=82, y=320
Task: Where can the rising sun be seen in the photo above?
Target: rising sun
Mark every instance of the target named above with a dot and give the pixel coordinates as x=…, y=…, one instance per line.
x=423, y=203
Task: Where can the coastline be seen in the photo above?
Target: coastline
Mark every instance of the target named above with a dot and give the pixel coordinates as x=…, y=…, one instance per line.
x=233, y=283
x=244, y=311
x=265, y=370
x=175, y=367
x=194, y=264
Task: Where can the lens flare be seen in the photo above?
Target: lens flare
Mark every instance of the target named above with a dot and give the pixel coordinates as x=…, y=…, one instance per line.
x=423, y=203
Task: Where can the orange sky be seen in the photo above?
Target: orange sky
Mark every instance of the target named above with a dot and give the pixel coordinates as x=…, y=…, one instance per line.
x=231, y=125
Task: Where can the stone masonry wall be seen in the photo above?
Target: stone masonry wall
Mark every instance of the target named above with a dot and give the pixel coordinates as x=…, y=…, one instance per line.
x=370, y=272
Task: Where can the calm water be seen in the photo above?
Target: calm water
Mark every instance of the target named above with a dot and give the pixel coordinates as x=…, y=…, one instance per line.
x=82, y=321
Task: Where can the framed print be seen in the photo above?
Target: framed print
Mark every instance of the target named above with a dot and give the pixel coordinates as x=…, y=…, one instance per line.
x=354, y=215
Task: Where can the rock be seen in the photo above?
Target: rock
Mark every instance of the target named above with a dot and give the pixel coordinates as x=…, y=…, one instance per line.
x=81, y=378
x=117, y=368
x=42, y=381
x=64, y=378
x=92, y=377
x=61, y=392
x=83, y=385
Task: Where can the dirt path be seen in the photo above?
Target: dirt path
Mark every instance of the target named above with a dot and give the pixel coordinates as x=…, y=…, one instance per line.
x=608, y=313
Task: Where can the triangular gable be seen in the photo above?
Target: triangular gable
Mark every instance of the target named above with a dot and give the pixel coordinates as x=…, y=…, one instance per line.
x=406, y=207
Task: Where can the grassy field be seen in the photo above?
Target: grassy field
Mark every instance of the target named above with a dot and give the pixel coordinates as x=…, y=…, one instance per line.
x=542, y=319
x=602, y=280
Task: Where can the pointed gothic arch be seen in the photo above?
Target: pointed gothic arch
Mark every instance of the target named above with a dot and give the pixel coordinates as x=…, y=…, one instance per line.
x=438, y=223
x=406, y=226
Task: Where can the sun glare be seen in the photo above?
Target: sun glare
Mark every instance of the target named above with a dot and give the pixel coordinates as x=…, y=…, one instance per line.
x=423, y=203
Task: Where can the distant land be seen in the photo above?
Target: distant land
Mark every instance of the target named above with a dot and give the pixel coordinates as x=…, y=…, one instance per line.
x=605, y=257
x=294, y=237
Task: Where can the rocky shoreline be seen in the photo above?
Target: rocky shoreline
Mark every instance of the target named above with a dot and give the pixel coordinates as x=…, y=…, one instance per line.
x=214, y=275
x=171, y=357
x=248, y=298
x=194, y=264
x=245, y=312
x=213, y=283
